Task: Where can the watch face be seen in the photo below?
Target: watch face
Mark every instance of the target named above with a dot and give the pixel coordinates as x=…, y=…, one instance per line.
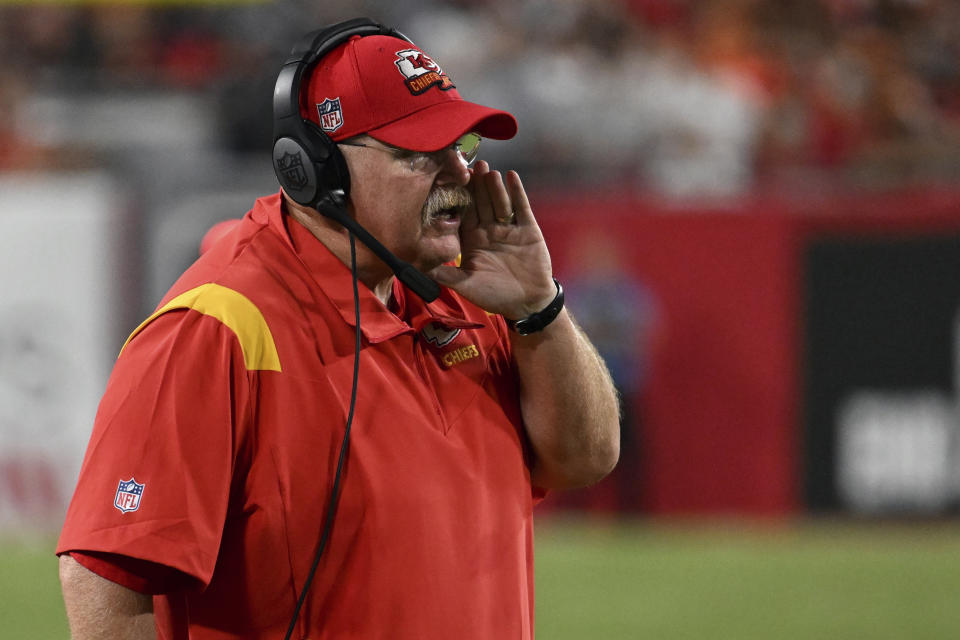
x=538, y=321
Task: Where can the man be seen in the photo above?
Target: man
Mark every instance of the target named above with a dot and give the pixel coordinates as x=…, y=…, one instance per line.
x=213, y=461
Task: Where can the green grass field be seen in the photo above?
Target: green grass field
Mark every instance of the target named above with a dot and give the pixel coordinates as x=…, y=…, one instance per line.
x=604, y=580
x=835, y=580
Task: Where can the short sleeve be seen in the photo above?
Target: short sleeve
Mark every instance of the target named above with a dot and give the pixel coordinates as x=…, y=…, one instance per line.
x=138, y=575
x=156, y=479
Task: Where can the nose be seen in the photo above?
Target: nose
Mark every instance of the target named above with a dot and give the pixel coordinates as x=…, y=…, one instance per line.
x=453, y=170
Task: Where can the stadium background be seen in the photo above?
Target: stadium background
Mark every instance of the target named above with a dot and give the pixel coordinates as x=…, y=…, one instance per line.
x=754, y=204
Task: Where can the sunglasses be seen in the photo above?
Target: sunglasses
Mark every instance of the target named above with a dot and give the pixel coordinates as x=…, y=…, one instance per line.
x=467, y=147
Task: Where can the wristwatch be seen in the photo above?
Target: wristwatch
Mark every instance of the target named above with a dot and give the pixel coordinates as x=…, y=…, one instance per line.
x=539, y=320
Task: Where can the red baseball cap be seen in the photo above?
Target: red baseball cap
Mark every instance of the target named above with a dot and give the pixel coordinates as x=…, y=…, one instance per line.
x=390, y=89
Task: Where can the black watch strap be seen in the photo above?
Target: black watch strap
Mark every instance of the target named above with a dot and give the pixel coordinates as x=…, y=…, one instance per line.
x=538, y=321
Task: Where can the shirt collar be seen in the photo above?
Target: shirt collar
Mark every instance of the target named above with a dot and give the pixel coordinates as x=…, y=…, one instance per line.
x=377, y=323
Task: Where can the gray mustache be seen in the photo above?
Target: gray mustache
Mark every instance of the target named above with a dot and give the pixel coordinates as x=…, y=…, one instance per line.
x=441, y=198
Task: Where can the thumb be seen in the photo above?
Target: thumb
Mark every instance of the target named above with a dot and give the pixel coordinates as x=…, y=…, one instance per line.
x=448, y=276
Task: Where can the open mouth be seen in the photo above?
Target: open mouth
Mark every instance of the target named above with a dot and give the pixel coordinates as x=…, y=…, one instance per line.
x=449, y=215
x=444, y=205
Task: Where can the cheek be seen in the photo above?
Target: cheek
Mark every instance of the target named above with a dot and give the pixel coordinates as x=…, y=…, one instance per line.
x=386, y=202
x=391, y=215
x=391, y=204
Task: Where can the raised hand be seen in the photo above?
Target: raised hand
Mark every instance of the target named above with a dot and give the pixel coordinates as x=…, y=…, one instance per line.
x=505, y=265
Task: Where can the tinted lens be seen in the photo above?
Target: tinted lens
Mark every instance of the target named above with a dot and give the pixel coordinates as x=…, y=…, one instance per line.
x=469, y=146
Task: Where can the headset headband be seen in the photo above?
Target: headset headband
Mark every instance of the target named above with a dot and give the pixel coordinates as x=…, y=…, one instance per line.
x=308, y=51
x=308, y=164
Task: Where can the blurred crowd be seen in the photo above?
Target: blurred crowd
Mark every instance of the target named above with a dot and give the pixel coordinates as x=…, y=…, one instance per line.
x=681, y=98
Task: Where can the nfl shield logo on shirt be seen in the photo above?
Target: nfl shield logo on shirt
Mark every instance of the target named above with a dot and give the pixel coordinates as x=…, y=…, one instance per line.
x=128, y=495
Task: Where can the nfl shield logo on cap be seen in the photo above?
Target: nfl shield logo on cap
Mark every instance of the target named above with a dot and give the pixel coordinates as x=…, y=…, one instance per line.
x=331, y=116
x=128, y=495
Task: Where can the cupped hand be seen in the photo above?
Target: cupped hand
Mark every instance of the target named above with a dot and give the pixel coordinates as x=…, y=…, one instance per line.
x=505, y=265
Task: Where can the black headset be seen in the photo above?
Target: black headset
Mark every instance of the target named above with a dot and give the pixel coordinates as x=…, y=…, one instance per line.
x=313, y=172
x=309, y=165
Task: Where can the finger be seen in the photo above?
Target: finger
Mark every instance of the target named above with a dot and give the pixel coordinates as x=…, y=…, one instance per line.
x=477, y=188
x=471, y=219
x=481, y=194
x=500, y=200
x=478, y=170
x=518, y=196
x=476, y=177
x=468, y=216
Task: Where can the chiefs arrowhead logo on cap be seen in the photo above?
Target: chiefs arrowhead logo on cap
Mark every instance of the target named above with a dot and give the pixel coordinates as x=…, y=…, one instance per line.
x=392, y=91
x=421, y=72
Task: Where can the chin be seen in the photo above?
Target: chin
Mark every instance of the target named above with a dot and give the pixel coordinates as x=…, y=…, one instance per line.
x=437, y=252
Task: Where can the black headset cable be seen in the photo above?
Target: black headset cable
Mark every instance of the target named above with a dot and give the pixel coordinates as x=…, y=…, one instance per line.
x=344, y=447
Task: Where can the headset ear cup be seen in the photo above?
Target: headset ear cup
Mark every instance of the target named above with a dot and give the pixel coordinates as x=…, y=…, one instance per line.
x=295, y=171
x=329, y=163
x=311, y=167
x=308, y=164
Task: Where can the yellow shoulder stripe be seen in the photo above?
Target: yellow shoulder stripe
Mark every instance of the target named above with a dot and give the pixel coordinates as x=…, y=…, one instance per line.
x=234, y=310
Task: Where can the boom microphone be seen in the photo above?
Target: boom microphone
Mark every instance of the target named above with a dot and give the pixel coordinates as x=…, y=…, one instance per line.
x=415, y=280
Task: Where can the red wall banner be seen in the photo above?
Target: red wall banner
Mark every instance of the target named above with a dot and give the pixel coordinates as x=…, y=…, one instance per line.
x=716, y=426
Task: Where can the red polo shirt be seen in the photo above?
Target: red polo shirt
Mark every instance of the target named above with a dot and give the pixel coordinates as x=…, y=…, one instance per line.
x=214, y=449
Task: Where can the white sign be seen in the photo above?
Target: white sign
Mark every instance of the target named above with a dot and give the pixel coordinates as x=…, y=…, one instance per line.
x=894, y=451
x=58, y=257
